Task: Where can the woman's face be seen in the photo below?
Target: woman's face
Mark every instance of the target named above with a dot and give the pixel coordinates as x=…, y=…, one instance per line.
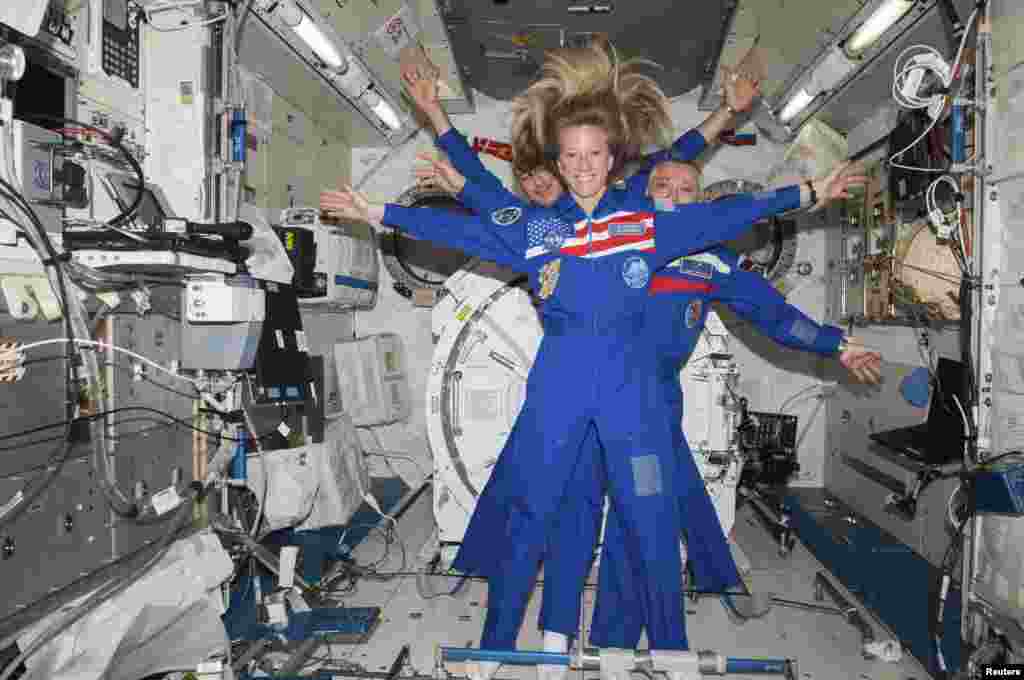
x=584, y=159
x=540, y=186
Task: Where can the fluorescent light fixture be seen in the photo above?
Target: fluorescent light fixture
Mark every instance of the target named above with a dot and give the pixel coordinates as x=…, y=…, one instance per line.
x=353, y=80
x=797, y=103
x=383, y=109
x=831, y=71
x=311, y=34
x=887, y=14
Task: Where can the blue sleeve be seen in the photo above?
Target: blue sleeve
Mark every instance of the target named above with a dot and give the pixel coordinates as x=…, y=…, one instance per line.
x=698, y=226
x=686, y=148
x=755, y=300
x=467, y=162
x=484, y=202
x=473, y=234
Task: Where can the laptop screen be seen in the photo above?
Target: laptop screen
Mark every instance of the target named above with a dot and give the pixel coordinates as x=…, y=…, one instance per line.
x=944, y=417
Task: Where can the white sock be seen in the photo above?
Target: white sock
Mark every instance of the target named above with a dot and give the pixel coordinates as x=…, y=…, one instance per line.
x=482, y=670
x=559, y=644
x=556, y=642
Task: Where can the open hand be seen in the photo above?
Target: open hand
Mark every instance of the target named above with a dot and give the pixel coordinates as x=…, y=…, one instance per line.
x=837, y=184
x=740, y=89
x=422, y=86
x=347, y=204
x=863, y=364
x=439, y=172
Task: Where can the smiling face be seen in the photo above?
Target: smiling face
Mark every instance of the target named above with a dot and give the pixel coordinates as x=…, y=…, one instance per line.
x=584, y=160
x=540, y=186
x=676, y=182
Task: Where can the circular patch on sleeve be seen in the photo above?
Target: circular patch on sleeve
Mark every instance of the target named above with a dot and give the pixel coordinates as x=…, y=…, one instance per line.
x=506, y=216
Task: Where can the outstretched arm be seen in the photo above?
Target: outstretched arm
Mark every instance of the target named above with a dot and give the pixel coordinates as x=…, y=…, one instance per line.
x=423, y=90
x=754, y=299
x=740, y=92
x=483, y=198
x=472, y=234
x=698, y=226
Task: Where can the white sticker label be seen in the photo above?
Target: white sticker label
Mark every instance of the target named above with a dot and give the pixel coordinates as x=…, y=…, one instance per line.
x=280, y=338
x=286, y=572
x=300, y=340
x=166, y=500
x=284, y=429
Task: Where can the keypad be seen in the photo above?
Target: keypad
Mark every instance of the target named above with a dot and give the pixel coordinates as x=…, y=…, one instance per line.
x=121, y=52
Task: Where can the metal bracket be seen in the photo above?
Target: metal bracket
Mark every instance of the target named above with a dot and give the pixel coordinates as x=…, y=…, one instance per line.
x=617, y=664
x=676, y=665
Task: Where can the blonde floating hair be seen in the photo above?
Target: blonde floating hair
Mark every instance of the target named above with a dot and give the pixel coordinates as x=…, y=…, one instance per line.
x=589, y=86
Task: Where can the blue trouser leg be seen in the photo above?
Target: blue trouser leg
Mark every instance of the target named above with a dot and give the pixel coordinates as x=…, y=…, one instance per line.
x=540, y=458
x=618, y=618
x=642, y=481
x=619, y=615
x=572, y=540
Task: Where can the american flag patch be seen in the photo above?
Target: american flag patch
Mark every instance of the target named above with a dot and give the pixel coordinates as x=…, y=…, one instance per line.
x=544, y=232
x=616, y=233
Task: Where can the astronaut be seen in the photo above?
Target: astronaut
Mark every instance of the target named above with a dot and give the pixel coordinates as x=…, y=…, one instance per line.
x=584, y=257
x=679, y=303
x=680, y=297
x=565, y=570
x=571, y=547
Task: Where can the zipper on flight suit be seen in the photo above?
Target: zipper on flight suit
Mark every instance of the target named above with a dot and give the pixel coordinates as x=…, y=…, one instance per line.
x=590, y=251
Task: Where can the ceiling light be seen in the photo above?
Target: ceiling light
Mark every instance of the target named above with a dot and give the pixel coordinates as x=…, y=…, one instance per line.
x=797, y=103
x=831, y=71
x=383, y=109
x=352, y=79
x=299, y=21
x=887, y=14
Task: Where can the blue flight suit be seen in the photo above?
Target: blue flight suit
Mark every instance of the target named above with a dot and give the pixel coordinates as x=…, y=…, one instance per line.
x=576, y=527
x=592, y=273
x=680, y=298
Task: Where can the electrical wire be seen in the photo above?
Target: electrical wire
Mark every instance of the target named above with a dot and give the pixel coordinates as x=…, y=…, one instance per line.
x=73, y=314
x=263, y=462
x=185, y=25
x=104, y=345
x=942, y=276
x=22, y=500
x=796, y=395
x=935, y=103
x=127, y=213
x=120, y=367
x=146, y=409
x=128, y=435
x=387, y=455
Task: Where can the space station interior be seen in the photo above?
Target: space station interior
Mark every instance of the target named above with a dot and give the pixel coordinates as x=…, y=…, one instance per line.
x=253, y=429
